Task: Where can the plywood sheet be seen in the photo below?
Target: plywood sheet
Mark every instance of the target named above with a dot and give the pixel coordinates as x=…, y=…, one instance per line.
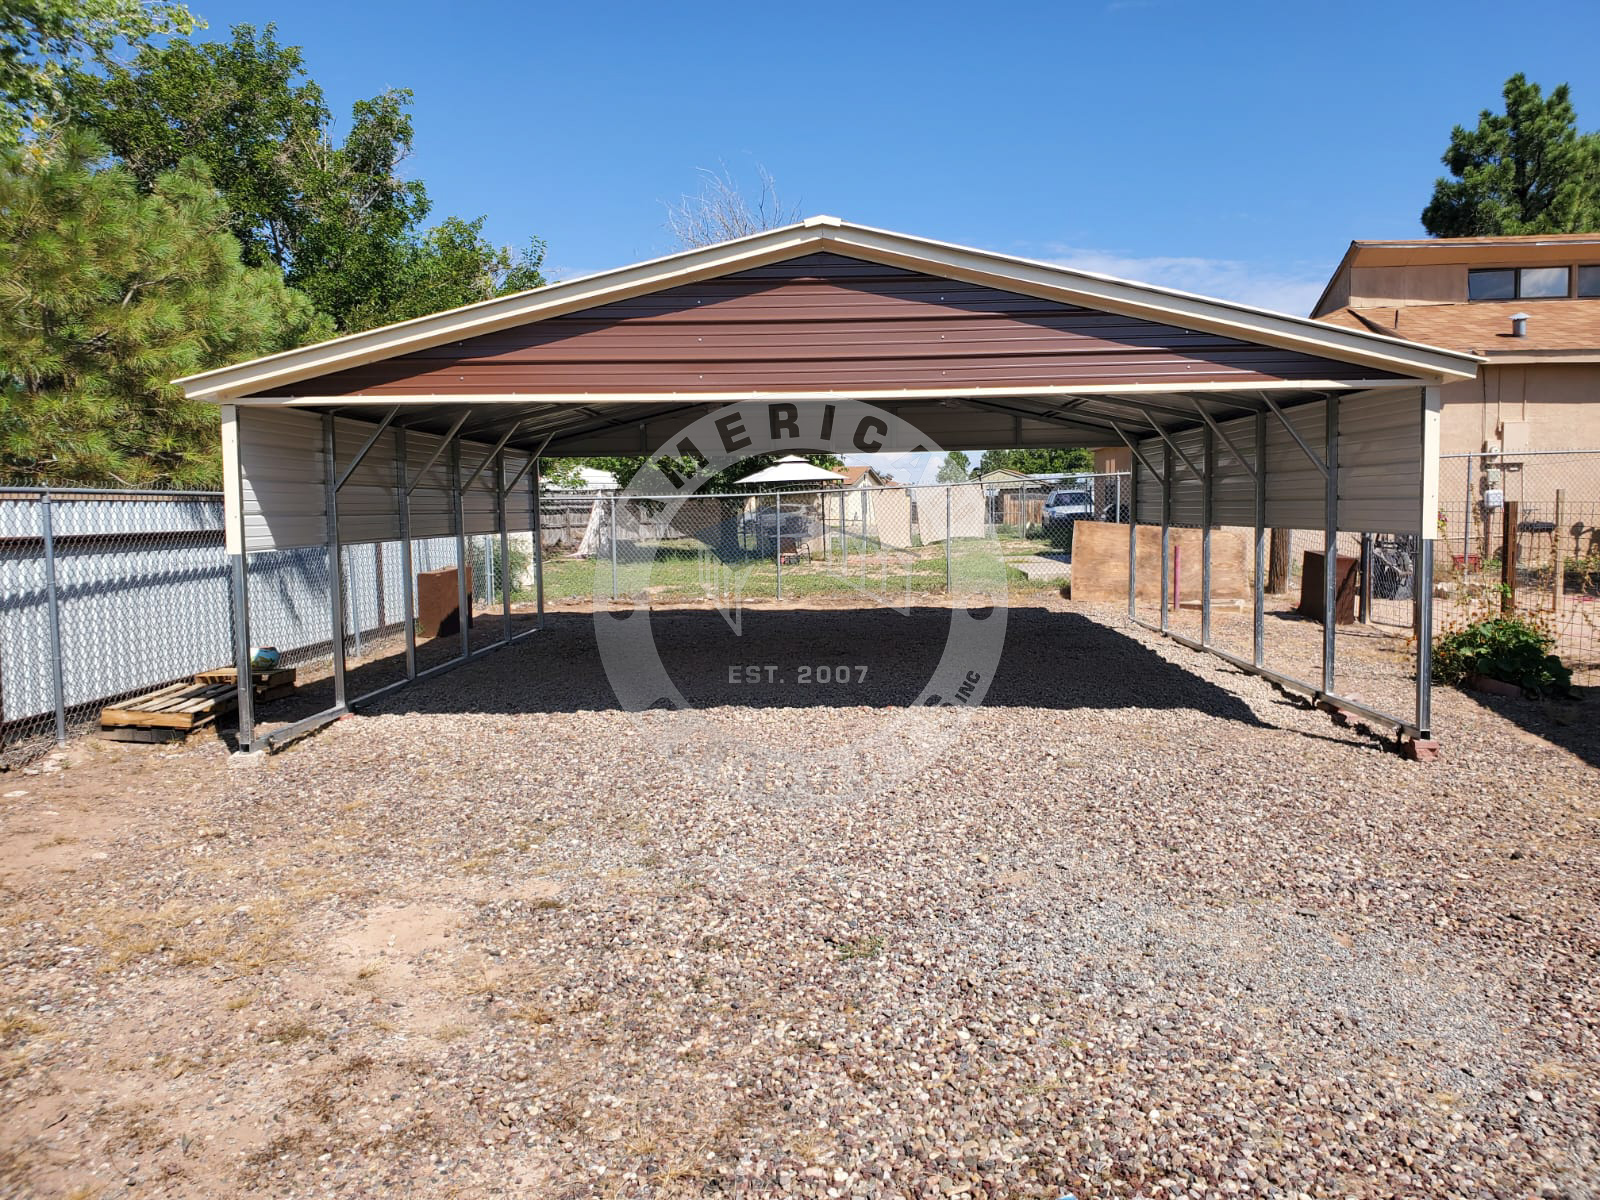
x=1100, y=563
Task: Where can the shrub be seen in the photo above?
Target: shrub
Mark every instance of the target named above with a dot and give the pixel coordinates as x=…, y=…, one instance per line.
x=1507, y=648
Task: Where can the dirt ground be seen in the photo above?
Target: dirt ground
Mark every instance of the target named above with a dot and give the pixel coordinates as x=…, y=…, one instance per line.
x=1138, y=925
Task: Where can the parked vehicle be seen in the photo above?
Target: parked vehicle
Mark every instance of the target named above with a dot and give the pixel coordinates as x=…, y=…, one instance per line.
x=798, y=526
x=1062, y=509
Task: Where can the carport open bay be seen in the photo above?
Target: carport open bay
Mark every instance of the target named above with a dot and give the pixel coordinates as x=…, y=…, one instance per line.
x=1137, y=924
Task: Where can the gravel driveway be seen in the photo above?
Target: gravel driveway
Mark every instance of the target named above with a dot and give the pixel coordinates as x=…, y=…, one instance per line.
x=1139, y=925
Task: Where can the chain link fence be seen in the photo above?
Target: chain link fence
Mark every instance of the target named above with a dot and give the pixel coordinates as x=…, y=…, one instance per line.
x=1520, y=532
x=799, y=544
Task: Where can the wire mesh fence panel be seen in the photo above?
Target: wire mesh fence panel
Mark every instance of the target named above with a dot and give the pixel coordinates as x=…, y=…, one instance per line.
x=110, y=595
x=1375, y=657
x=1520, y=533
x=290, y=612
x=27, y=662
x=374, y=617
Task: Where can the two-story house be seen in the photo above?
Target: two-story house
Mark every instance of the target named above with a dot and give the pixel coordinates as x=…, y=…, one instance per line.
x=1530, y=305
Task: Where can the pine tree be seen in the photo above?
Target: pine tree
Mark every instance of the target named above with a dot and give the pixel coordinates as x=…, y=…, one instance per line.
x=109, y=293
x=1527, y=170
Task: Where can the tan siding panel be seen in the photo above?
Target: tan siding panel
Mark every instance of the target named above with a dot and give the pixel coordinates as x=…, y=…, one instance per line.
x=282, y=480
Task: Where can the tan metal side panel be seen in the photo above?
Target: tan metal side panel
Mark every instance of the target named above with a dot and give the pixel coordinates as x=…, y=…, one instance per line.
x=432, y=514
x=518, y=516
x=1233, y=497
x=1380, y=463
x=477, y=503
x=1296, y=490
x=368, y=502
x=1148, y=483
x=281, y=478
x=1188, y=493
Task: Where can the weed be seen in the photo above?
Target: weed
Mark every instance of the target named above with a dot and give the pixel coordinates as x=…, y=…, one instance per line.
x=862, y=947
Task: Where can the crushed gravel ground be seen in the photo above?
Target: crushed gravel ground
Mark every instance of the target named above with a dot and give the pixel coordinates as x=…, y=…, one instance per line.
x=1138, y=926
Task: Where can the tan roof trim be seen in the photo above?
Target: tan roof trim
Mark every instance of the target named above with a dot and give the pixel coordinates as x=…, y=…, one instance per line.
x=1044, y=280
x=604, y=399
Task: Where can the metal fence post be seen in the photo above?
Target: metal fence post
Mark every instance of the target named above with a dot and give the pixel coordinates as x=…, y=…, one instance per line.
x=777, y=541
x=947, y=538
x=613, y=546
x=844, y=533
x=53, y=608
x=1466, y=523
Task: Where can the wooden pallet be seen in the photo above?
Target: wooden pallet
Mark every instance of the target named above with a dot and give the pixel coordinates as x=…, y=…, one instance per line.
x=180, y=708
x=263, y=680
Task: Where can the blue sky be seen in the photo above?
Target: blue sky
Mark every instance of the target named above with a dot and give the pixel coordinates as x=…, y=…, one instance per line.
x=1232, y=149
x=1228, y=148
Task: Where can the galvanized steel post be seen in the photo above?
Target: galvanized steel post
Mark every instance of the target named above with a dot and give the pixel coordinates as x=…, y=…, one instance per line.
x=239, y=564
x=335, y=561
x=1424, y=628
x=53, y=611
x=536, y=521
x=1133, y=535
x=463, y=600
x=1258, y=620
x=1166, y=535
x=777, y=541
x=1330, y=540
x=505, y=545
x=402, y=470
x=1206, y=504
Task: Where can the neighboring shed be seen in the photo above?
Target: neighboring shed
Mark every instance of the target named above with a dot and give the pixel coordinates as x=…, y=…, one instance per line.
x=1232, y=413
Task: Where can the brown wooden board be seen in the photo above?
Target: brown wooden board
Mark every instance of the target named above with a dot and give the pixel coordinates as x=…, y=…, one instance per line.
x=1100, y=563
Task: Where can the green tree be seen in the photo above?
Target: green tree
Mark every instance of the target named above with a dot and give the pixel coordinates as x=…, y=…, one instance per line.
x=452, y=264
x=110, y=292
x=1036, y=462
x=1527, y=170
x=43, y=43
x=338, y=219
x=956, y=468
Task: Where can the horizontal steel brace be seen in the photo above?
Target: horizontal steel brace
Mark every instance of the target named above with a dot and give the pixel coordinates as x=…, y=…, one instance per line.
x=1316, y=694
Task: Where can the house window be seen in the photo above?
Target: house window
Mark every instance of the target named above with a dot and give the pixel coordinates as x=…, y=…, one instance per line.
x=1492, y=285
x=1542, y=283
x=1511, y=283
x=1589, y=281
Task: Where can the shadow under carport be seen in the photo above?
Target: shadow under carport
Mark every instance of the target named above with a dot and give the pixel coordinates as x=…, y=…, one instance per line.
x=830, y=658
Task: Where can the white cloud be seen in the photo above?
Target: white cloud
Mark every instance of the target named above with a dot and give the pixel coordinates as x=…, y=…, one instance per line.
x=1287, y=291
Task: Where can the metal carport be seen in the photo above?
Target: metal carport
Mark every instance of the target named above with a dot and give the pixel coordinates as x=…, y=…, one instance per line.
x=1235, y=415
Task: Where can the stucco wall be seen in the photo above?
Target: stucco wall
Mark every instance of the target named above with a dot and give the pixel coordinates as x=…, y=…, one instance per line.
x=1560, y=403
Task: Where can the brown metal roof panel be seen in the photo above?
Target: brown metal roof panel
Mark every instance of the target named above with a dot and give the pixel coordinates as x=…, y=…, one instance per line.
x=823, y=322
